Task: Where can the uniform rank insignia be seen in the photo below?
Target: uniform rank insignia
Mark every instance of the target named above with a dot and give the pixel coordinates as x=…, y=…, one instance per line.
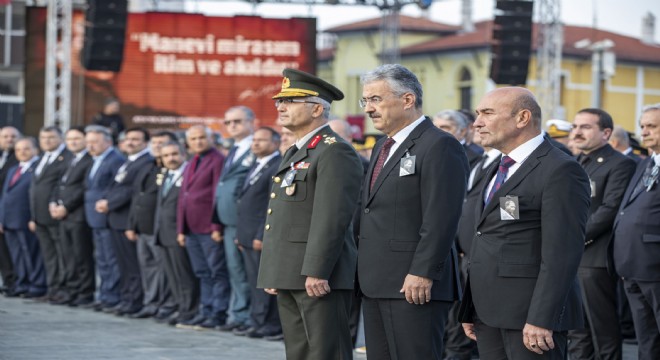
x=301, y=165
x=290, y=190
x=314, y=142
x=330, y=140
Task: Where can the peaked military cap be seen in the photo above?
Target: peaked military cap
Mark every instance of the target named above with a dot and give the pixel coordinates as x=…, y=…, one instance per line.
x=298, y=83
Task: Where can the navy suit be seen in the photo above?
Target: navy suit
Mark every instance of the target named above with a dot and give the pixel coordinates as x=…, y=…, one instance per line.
x=22, y=243
x=119, y=196
x=6, y=265
x=252, y=207
x=637, y=258
x=225, y=213
x=96, y=187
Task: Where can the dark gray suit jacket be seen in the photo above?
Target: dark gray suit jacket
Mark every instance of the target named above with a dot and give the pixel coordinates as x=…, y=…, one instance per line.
x=70, y=192
x=637, y=231
x=609, y=173
x=253, y=203
x=524, y=271
x=409, y=223
x=166, y=214
x=43, y=188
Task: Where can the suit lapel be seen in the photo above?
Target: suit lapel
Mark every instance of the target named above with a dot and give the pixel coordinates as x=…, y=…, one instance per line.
x=641, y=169
x=393, y=162
x=527, y=166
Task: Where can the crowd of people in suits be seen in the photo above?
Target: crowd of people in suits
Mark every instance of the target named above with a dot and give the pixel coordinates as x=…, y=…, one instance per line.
x=462, y=234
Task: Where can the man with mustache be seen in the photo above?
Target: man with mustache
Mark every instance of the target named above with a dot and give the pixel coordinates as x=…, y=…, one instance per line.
x=609, y=173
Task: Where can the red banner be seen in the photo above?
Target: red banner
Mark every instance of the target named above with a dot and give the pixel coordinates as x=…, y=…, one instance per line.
x=184, y=69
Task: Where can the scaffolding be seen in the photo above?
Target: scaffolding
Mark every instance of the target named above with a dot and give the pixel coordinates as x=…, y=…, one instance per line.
x=57, y=105
x=549, y=42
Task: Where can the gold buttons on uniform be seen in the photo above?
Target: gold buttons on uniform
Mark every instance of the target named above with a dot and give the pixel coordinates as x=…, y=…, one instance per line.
x=272, y=195
x=277, y=179
x=270, y=211
x=267, y=226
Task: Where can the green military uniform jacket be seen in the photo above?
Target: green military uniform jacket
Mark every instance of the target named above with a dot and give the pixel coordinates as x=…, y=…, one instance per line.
x=308, y=229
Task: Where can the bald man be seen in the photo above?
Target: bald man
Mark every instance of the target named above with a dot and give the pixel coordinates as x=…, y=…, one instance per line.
x=522, y=294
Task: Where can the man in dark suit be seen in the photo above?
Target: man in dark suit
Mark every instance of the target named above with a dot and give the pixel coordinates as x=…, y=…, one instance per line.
x=252, y=210
x=194, y=228
x=48, y=172
x=158, y=301
x=14, y=218
x=636, y=239
x=106, y=162
x=416, y=173
x=457, y=124
x=116, y=203
x=75, y=234
x=239, y=123
x=309, y=255
x=458, y=346
x=8, y=137
x=620, y=141
x=522, y=293
x=609, y=173
x=181, y=279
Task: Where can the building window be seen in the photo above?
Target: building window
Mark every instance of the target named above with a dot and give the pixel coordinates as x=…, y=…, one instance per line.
x=465, y=89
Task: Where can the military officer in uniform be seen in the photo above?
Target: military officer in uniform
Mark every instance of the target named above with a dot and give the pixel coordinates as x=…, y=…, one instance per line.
x=309, y=255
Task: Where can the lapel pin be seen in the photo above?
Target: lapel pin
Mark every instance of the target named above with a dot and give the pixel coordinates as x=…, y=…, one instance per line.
x=600, y=159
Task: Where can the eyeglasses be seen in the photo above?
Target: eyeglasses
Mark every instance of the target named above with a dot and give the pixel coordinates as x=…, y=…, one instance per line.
x=374, y=101
x=289, y=101
x=235, y=121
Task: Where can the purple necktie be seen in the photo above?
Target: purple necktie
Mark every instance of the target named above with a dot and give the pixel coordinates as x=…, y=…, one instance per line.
x=505, y=163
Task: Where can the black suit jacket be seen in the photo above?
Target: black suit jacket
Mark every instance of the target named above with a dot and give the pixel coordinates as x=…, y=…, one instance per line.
x=11, y=161
x=609, y=173
x=473, y=153
x=636, y=158
x=120, y=192
x=253, y=200
x=524, y=271
x=145, y=195
x=70, y=191
x=468, y=220
x=44, y=185
x=637, y=231
x=165, y=228
x=409, y=223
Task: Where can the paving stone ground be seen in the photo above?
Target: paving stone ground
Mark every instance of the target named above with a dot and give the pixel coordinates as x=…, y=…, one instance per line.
x=31, y=330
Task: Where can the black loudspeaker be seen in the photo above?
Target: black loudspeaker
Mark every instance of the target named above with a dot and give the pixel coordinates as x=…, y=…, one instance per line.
x=105, y=33
x=511, y=44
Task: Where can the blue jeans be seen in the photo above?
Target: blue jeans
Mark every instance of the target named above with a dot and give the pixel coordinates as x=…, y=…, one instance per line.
x=239, y=308
x=210, y=266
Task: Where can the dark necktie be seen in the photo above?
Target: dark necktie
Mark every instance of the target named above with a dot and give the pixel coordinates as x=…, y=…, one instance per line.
x=195, y=163
x=250, y=174
x=230, y=157
x=167, y=185
x=505, y=163
x=584, y=160
x=17, y=175
x=289, y=153
x=644, y=180
x=384, y=153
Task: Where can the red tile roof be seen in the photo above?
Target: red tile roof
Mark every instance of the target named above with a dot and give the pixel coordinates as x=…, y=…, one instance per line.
x=626, y=48
x=406, y=23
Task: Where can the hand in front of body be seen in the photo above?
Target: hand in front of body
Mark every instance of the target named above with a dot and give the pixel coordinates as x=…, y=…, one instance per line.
x=216, y=236
x=101, y=206
x=317, y=287
x=417, y=289
x=181, y=239
x=468, y=328
x=537, y=339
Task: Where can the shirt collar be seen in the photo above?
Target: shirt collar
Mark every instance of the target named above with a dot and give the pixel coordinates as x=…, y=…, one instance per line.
x=137, y=155
x=303, y=140
x=522, y=152
x=264, y=160
x=178, y=171
x=403, y=133
x=104, y=154
x=81, y=154
x=56, y=151
x=24, y=165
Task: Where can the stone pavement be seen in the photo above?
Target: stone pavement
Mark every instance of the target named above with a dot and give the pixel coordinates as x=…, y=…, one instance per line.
x=31, y=330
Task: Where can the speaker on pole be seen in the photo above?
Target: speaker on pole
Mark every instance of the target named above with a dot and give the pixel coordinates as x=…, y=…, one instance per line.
x=105, y=33
x=511, y=44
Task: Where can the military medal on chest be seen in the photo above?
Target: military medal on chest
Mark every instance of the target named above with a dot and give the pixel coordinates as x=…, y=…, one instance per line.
x=287, y=182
